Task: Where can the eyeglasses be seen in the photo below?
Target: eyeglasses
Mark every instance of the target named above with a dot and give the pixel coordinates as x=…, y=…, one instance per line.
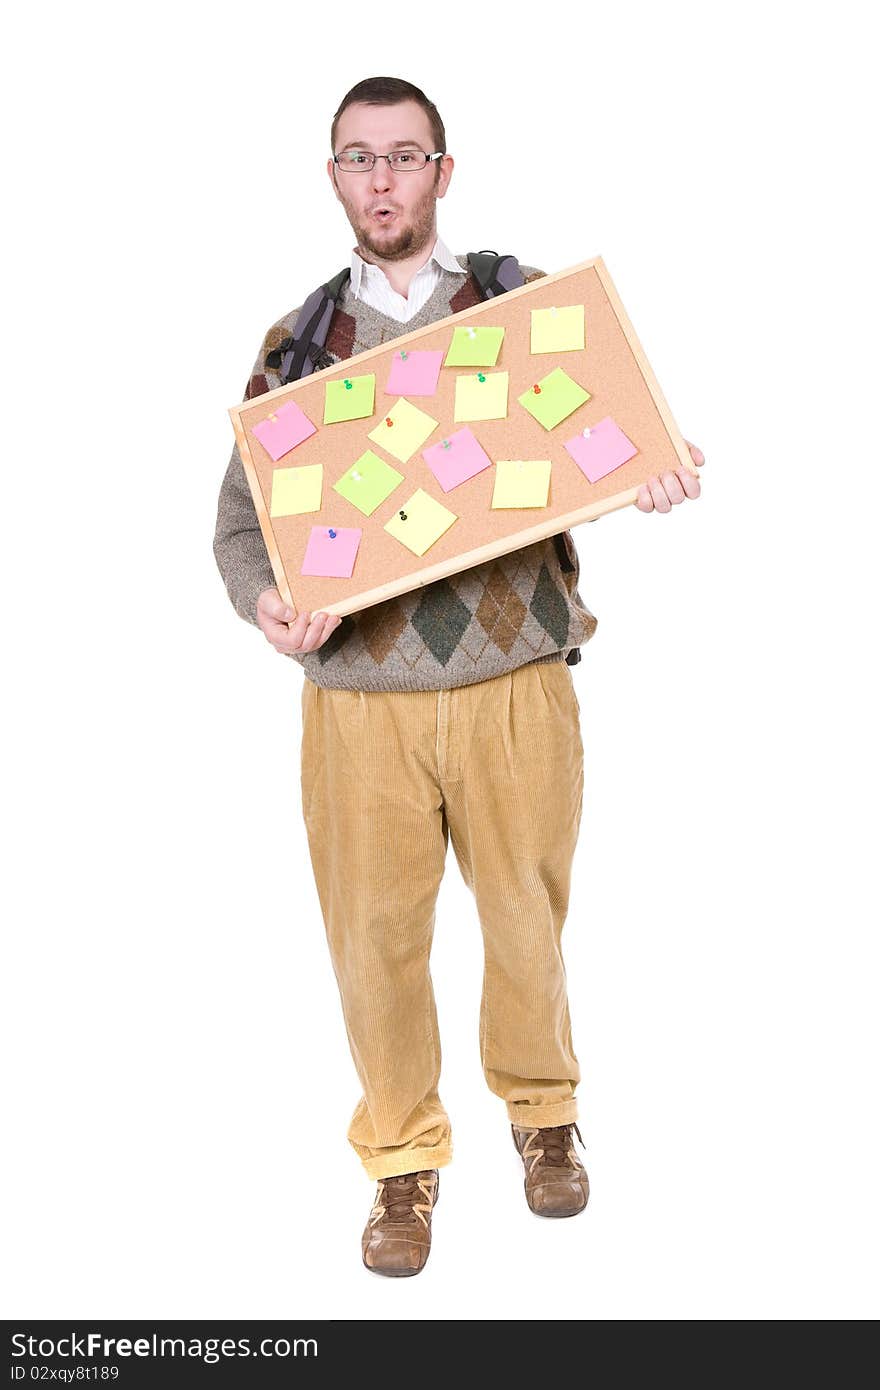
x=401, y=161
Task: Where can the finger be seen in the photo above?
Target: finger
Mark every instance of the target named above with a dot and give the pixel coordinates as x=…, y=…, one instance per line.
x=658, y=493
x=696, y=454
x=320, y=626
x=272, y=604
x=674, y=489
x=689, y=482
x=284, y=634
x=643, y=501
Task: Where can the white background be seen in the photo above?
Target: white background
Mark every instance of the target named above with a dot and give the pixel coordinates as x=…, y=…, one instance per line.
x=179, y=1082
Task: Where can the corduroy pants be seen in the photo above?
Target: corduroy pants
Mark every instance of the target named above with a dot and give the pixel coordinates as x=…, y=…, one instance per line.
x=387, y=777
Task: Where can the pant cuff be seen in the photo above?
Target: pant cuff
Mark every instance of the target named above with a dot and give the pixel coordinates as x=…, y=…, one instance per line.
x=559, y=1112
x=407, y=1161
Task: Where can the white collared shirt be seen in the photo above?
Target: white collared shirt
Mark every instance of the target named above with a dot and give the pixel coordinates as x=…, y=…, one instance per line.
x=370, y=284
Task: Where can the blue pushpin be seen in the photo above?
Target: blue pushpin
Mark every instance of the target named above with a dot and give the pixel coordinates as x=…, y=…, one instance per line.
x=332, y=534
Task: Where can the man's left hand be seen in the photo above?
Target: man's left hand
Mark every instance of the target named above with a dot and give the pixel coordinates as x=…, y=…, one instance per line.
x=664, y=491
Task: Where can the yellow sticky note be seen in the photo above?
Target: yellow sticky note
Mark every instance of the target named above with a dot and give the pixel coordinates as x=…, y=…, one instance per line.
x=420, y=522
x=403, y=429
x=521, y=483
x=558, y=330
x=482, y=396
x=296, y=490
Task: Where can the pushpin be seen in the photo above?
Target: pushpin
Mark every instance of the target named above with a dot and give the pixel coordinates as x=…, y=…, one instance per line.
x=403, y=516
x=472, y=333
x=273, y=418
x=446, y=444
x=480, y=376
x=537, y=390
x=356, y=475
x=553, y=310
x=388, y=420
x=347, y=384
x=332, y=534
x=586, y=432
x=403, y=355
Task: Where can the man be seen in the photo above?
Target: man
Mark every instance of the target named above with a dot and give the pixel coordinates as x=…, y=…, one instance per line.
x=449, y=711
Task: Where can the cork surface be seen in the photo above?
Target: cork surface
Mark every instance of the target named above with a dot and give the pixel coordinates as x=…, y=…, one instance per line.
x=611, y=366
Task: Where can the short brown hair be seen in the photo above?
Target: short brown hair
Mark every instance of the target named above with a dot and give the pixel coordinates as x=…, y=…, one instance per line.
x=388, y=91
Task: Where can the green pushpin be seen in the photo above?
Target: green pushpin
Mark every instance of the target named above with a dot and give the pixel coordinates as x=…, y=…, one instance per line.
x=480, y=376
x=347, y=384
x=403, y=355
x=446, y=444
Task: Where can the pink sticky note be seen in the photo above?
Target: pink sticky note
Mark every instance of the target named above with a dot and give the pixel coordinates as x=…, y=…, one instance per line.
x=332, y=551
x=602, y=449
x=289, y=428
x=416, y=375
x=456, y=458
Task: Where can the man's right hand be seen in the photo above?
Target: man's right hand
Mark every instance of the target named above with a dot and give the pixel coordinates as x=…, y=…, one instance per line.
x=273, y=617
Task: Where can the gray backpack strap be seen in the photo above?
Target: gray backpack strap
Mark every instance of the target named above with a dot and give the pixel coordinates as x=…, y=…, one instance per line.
x=300, y=354
x=493, y=273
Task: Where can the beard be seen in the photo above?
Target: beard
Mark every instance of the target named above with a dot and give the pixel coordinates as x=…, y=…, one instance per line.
x=407, y=240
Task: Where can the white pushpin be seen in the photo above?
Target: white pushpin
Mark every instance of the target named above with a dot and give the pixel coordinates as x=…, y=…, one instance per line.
x=472, y=333
x=553, y=310
x=587, y=432
x=356, y=475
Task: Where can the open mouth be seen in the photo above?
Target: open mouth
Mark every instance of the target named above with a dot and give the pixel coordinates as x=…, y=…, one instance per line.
x=383, y=215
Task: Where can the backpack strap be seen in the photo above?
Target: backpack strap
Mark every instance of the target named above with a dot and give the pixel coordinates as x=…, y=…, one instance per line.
x=493, y=273
x=300, y=354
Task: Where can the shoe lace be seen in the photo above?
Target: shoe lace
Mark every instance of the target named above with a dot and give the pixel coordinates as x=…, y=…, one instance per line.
x=396, y=1197
x=553, y=1143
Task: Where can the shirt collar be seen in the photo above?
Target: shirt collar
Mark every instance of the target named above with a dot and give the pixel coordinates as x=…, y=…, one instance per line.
x=441, y=254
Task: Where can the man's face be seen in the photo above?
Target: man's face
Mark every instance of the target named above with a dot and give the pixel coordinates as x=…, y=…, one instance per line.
x=412, y=225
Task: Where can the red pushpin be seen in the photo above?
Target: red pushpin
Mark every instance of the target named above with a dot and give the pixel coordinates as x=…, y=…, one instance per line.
x=537, y=390
x=388, y=420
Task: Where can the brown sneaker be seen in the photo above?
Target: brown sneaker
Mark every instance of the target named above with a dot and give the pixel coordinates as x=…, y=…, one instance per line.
x=556, y=1182
x=397, y=1237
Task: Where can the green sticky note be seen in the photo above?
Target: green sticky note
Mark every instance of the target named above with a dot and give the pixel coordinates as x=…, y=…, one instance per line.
x=402, y=430
x=558, y=330
x=558, y=397
x=421, y=521
x=481, y=400
x=296, y=490
x=521, y=483
x=351, y=402
x=368, y=482
x=474, y=347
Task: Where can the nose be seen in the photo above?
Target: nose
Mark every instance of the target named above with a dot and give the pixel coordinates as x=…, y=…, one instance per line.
x=381, y=176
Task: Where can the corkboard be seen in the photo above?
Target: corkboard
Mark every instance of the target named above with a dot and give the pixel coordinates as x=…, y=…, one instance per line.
x=612, y=367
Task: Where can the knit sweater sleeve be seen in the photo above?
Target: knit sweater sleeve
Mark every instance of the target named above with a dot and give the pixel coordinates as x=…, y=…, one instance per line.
x=239, y=548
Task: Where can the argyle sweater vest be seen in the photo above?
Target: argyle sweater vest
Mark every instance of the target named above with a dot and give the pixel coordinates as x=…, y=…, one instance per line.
x=478, y=623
